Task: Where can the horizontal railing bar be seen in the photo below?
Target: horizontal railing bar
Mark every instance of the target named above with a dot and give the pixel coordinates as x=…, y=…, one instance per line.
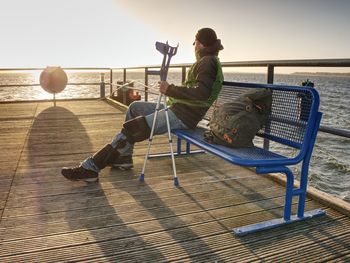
x=335, y=131
x=156, y=66
x=293, y=63
x=89, y=83
x=44, y=100
x=29, y=69
x=18, y=85
x=345, y=62
x=36, y=85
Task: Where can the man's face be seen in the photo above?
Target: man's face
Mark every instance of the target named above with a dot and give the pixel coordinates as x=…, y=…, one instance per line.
x=198, y=45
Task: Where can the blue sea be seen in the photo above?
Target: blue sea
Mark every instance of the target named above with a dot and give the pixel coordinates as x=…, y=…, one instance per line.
x=330, y=164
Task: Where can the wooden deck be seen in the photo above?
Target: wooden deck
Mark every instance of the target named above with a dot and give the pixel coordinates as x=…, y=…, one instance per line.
x=45, y=218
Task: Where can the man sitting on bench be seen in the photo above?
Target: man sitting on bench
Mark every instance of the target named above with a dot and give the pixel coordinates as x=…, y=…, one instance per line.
x=187, y=106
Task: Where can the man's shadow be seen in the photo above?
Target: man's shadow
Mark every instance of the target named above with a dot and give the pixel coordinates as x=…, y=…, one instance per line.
x=162, y=220
x=73, y=209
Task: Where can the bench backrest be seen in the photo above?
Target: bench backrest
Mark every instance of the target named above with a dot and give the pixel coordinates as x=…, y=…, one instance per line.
x=293, y=116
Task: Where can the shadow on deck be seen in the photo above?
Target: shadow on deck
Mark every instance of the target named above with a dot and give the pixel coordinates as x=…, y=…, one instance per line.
x=45, y=218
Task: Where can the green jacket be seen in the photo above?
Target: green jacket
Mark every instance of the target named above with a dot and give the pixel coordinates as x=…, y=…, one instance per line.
x=191, y=101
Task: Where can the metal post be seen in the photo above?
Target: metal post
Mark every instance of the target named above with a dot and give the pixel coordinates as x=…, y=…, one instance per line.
x=270, y=73
x=178, y=146
x=183, y=76
x=124, y=75
x=111, y=82
x=123, y=90
x=146, y=84
x=102, y=85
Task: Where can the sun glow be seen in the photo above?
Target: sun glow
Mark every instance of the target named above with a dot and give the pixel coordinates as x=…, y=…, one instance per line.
x=119, y=33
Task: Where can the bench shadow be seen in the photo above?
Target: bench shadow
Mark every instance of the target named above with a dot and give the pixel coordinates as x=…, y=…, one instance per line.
x=311, y=233
x=312, y=230
x=74, y=209
x=243, y=189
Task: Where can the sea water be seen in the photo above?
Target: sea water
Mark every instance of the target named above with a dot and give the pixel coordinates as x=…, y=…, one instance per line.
x=330, y=164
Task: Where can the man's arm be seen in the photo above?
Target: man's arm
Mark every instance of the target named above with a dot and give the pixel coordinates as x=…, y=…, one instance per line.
x=205, y=75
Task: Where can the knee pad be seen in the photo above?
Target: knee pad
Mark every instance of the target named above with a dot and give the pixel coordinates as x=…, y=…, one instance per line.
x=136, y=130
x=105, y=156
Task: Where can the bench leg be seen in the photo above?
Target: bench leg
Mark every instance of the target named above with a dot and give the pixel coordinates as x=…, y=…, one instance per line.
x=290, y=192
x=289, y=186
x=188, y=148
x=303, y=187
x=241, y=231
x=178, y=143
x=305, y=168
x=179, y=151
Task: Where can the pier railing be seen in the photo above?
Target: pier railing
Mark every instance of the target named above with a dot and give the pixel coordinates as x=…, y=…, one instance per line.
x=270, y=66
x=107, y=76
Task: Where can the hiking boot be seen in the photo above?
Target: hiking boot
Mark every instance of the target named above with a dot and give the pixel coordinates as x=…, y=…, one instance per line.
x=79, y=174
x=123, y=162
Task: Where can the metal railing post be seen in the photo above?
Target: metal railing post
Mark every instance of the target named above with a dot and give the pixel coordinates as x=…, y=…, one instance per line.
x=102, y=86
x=270, y=76
x=146, y=84
x=111, y=82
x=270, y=73
x=183, y=75
x=124, y=75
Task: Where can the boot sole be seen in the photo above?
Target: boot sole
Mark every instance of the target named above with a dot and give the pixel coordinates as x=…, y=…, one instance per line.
x=122, y=166
x=90, y=180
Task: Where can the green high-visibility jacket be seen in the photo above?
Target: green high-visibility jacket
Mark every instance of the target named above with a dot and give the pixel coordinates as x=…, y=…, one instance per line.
x=203, y=83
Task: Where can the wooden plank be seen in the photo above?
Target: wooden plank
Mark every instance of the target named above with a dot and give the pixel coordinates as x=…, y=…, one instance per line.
x=342, y=258
x=324, y=248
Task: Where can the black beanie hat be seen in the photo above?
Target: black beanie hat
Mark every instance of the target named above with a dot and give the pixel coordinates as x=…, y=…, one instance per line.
x=206, y=36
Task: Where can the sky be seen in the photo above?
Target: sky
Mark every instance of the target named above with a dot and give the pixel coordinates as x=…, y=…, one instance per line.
x=122, y=33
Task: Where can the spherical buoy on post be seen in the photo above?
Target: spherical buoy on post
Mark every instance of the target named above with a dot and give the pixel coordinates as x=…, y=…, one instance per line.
x=53, y=80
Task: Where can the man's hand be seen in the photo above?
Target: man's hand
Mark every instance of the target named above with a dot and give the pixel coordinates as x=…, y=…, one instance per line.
x=163, y=86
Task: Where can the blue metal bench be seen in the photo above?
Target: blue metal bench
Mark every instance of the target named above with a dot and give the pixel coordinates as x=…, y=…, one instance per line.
x=293, y=124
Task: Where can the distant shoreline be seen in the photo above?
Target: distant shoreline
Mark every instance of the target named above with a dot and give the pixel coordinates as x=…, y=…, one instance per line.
x=322, y=74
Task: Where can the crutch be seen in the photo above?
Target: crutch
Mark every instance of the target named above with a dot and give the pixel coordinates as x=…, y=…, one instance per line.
x=167, y=52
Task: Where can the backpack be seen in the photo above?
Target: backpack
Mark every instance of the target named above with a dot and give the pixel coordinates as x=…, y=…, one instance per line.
x=234, y=124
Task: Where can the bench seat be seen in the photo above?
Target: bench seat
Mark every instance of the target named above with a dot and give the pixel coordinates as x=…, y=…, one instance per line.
x=252, y=156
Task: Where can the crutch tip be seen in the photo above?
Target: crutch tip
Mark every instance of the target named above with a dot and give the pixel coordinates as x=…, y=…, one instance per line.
x=142, y=178
x=176, y=181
